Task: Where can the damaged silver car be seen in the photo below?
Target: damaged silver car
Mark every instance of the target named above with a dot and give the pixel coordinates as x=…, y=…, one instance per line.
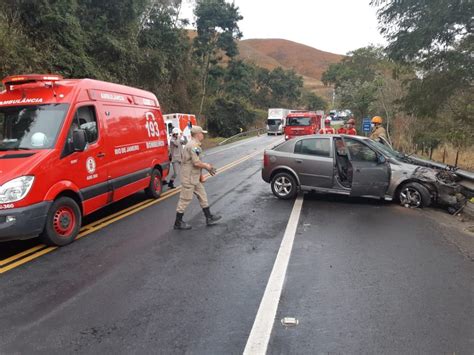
x=359, y=166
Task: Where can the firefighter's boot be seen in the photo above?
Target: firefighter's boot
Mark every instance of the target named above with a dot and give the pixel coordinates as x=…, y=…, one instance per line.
x=180, y=224
x=210, y=218
x=171, y=184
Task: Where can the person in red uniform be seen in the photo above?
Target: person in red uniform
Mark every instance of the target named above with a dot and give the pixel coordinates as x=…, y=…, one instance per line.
x=327, y=127
x=342, y=130
x=350, y=127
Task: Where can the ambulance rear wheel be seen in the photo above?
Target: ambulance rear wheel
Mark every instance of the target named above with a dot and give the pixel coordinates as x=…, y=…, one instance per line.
x=62, y=223
x=156, y=185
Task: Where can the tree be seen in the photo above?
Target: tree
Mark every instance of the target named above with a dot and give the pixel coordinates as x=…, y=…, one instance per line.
x=356, y=79
x=55, y=32
x=165, y=65
x=226, y=116
x=359, y=65
x=217, y=30
x=285, y=86
x=313, y=102
x=239, y=80
x=440, y=49
x=18, y=52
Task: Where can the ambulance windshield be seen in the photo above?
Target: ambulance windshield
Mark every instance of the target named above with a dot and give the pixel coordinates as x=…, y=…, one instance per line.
x=30, y=127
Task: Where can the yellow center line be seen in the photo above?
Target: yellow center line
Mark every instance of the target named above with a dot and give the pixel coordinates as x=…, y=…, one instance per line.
x=23, y=253
x=82, y=230
x=125, y=210
x=27, y=259
x=104, y=222
x=129, y=213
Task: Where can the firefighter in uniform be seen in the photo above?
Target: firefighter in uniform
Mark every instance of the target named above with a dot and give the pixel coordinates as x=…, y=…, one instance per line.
x=342, y=130
x=176, y=155
x=350, y=127
x=378, y=131
x=191, y=180
x=327, y=127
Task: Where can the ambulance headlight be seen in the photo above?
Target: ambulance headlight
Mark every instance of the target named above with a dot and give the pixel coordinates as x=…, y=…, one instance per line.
x=16, y=189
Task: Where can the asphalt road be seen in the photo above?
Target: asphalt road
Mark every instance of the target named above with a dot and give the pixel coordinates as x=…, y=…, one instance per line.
x=363, y=277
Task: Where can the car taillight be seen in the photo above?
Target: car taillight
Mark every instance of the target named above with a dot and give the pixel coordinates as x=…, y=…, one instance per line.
x=266, y=160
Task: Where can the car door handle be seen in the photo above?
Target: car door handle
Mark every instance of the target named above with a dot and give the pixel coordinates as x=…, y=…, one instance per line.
x=298, y=161
x=100, y=155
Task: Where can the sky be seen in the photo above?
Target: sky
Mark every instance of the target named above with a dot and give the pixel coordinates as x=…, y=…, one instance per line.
x=336, y=26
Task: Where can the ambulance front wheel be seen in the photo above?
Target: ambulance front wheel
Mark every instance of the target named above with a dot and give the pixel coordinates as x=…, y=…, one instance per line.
x=155, y=187
x=62, y=222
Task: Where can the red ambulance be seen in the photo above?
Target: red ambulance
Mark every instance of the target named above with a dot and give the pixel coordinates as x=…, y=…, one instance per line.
x=70, y=147
x=301, y=123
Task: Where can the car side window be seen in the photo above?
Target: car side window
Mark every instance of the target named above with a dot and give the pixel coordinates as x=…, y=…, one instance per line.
x=86, y=119
x=320, y=147
x=359, y=151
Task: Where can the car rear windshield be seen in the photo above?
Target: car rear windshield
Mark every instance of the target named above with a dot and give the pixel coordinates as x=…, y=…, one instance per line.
x=30, y=127
x=299, y=121
x=274, y=122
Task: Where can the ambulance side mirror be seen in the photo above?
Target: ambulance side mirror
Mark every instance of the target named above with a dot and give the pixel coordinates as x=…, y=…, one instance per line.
x=381, y=159
x=79, y=140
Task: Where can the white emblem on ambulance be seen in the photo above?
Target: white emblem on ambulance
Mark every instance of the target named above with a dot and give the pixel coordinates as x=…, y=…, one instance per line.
x=90, y=165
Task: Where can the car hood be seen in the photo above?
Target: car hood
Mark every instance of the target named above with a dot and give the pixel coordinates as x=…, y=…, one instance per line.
x=14, y=164
x=440, y=166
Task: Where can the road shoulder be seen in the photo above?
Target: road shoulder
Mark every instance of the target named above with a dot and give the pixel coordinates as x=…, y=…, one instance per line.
x=463, y=238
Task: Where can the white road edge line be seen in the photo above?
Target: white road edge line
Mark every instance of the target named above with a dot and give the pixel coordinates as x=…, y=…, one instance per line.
x=259, y=337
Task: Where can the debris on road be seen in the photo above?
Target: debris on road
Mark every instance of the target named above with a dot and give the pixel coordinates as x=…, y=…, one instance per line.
x=289, y=322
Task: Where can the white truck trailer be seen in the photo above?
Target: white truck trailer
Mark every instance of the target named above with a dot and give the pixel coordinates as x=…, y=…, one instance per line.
x=276, y=120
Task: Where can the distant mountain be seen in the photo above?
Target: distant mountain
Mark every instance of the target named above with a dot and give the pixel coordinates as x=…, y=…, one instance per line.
x=307, y=61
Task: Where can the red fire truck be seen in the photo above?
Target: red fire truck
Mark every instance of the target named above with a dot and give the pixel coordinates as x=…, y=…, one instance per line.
x=301, y=123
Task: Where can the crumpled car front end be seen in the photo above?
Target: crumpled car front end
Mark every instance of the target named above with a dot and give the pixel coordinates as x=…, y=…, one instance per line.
x=443, y=185
x=446, y=187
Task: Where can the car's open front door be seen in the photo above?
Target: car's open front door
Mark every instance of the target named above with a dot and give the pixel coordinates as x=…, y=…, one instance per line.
x=370, y=171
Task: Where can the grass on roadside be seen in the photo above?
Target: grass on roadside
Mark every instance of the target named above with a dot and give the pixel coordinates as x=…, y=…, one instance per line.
x=215, y=141
x=212, y=142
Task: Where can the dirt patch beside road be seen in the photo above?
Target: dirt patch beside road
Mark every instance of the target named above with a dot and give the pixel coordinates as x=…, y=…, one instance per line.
x=462, y=226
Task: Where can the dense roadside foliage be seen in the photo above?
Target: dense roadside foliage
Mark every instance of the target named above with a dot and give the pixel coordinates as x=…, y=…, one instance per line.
x=143, y=43
x=422, y=81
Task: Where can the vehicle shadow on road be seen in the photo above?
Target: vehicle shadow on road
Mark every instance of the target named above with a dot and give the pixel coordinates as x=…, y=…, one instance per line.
x=314, y=196
x=10, y=248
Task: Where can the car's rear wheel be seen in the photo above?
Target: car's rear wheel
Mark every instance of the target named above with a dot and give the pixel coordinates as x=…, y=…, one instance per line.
x=415, y=195
x=62, y=223
x=155, y=188
x=284, y=186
